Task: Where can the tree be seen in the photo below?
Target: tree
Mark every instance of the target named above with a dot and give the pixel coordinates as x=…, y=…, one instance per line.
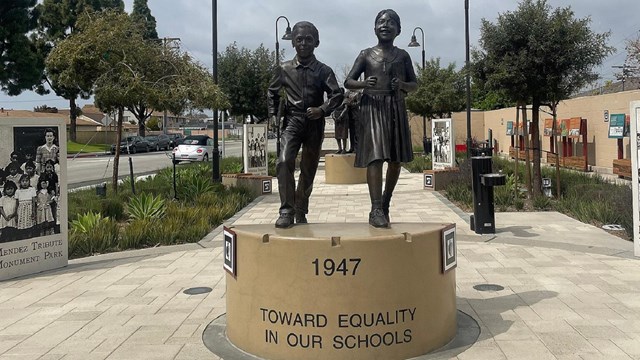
x=440, y=91
x=244, y=77
x=113, y=48
x=141, y=14
x=540, y=55
x=57, y=21
x=482, y=97
x=22, y=64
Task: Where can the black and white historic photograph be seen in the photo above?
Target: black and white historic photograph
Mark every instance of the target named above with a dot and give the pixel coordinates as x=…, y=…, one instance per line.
x=442, y=143
x=29, y=181
x=255, y=149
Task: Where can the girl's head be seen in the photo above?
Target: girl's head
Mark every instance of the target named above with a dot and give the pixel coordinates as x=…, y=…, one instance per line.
x=10, y=188
x=43, y=182
x=49, y=165
x=387, y=25
x=25, y=183
x=49, y=136
x=13, y=168
x=30, y=168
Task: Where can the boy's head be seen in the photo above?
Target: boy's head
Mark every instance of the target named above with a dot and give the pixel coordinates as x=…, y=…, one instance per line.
x=305, y=38
x=15, y=156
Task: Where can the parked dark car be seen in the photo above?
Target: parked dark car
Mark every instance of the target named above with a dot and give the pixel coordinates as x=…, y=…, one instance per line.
x=158, y=142
x=132, y=144
x=175, y=140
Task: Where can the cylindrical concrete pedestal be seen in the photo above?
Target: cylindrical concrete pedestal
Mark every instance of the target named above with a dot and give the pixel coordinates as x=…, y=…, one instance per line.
x=339, y=169
x=340, y=291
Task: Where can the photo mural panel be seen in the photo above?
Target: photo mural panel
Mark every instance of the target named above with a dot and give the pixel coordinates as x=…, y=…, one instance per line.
x=255, y=149
x=442, y=145
x=33, y=199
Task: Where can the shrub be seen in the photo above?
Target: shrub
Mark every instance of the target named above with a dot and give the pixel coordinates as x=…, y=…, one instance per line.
x=113, y=208
x=460, y=192
x=541, y=202
x=419, y=164
x=91, y=233
x=139, y=233
x=146, y=206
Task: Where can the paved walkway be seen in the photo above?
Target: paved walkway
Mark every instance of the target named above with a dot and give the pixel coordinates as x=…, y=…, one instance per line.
x=571, y=291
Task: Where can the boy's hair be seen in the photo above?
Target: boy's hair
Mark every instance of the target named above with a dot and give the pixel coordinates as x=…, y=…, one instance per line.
x=53, y=163
x=305, y=25
x=392, y=14
x=30, y=164
x=10, y=184
x=12, y=165
x=49, y=130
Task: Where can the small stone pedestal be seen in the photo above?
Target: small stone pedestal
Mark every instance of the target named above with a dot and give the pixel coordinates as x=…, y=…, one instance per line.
x=340, y=291
x=439, y=179
x=339, y=169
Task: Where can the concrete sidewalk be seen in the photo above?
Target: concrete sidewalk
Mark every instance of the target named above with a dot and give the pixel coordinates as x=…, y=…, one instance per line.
x=571, y=291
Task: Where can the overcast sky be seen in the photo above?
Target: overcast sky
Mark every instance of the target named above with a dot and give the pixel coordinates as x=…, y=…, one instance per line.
x=346, y=27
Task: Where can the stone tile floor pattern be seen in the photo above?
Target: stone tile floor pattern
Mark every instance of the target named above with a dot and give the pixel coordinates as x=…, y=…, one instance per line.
x=558, y=303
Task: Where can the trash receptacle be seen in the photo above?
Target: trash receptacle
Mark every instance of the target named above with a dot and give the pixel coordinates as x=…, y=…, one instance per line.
x=101, y=190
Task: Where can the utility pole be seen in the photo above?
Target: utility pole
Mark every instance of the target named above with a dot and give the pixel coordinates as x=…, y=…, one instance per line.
x=214, y=70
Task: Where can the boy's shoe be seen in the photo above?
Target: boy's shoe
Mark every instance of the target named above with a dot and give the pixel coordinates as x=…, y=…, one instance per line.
x=284, y=221
x=301, y=218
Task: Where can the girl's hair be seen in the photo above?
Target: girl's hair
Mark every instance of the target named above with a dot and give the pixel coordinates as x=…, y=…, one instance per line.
x=53, y=163
x=40, y=180
x=10, y=185
x=24, y=177
x=30, y=164
x=392, y=14
x=49, y=130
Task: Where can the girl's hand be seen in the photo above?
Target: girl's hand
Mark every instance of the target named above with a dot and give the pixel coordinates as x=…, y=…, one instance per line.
x=371, y=81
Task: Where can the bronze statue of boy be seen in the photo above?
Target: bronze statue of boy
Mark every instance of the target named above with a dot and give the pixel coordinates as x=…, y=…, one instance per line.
x=305, y=80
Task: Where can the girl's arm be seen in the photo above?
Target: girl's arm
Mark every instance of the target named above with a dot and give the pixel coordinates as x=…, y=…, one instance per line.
x=3, y=214
x=15, y=210
x=358, y=68
x=34, y=207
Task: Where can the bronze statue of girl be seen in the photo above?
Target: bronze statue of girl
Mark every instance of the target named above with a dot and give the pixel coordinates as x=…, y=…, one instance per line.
x=384, y=133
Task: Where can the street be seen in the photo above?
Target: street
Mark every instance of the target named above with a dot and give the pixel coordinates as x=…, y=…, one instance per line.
x=93, y=170
x=84, y=171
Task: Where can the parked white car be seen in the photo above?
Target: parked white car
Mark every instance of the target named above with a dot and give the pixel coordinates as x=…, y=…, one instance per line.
x=194, y=148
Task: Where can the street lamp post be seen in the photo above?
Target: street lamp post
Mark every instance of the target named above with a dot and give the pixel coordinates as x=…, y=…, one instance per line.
x=468, y=76
x=287, y=36
x=414, y=43
x=214, y=70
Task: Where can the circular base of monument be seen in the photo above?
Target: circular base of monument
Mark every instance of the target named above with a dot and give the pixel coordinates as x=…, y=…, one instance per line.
x=339, y=291
x=468, y=332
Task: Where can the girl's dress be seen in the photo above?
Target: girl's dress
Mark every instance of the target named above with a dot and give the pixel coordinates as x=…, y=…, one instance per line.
x=43, y=207
x=383, y=133
x=8, y=205
x=25, y=207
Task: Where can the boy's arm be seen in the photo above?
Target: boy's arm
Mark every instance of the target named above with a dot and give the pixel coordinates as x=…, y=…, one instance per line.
x=273, y=93
x=334, y=93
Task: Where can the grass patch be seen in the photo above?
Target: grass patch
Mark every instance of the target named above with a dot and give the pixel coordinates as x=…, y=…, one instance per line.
x=75, y=148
